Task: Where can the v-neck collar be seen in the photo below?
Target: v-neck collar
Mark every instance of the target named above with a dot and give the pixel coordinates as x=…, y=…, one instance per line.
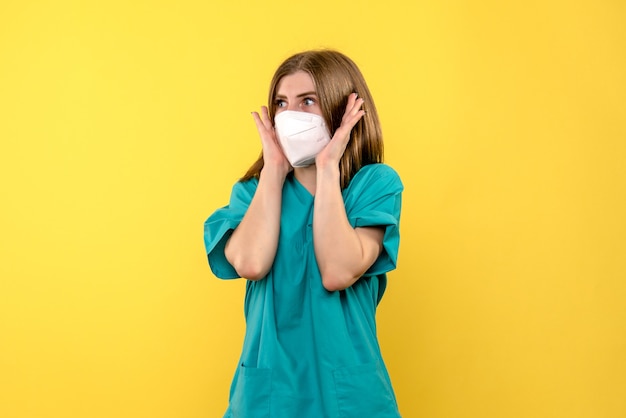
x=301, y=191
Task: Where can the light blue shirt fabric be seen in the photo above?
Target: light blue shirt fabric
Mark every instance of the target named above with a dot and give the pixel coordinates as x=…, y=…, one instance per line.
x=308, y=352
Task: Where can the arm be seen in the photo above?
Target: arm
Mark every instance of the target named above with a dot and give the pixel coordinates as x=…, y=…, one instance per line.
x=343, y=253
x=252, y=247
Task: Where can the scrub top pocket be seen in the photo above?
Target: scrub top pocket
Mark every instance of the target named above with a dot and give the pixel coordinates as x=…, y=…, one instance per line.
x=251, y=395
x=364, y=391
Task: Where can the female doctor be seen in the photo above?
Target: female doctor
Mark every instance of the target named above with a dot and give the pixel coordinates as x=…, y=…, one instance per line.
x=314, y=227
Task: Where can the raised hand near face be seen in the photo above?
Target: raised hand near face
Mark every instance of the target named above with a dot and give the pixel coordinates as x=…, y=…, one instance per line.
x=273, y=156
x=338, y=143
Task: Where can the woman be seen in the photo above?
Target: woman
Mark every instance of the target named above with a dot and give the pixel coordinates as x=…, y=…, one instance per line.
x=314, y=227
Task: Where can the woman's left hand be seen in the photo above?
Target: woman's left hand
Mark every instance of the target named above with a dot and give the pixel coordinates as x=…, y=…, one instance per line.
x=333, y=152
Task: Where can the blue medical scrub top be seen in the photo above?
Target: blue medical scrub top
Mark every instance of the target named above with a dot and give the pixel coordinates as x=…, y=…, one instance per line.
x=309, y=352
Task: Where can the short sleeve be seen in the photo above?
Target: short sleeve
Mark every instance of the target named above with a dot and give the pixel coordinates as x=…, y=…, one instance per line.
x=374, y=198
x=220, y=226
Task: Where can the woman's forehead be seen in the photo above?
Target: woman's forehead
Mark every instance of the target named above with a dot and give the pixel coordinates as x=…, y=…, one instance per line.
x=295, y=83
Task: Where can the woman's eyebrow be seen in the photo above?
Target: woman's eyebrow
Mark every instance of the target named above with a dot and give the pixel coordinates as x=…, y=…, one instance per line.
x=308, y=93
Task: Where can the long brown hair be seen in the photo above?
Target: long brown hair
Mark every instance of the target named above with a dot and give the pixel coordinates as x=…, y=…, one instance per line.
x=335, y=76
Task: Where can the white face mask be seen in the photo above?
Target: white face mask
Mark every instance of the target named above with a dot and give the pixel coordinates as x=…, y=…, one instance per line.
x=302, y=136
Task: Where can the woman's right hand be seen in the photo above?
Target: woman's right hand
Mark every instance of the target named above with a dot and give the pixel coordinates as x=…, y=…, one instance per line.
x=273, y=156
x=252, y=247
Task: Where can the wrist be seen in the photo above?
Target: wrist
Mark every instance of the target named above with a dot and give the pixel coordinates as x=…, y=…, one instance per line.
x=274, y=173
x=328, y=172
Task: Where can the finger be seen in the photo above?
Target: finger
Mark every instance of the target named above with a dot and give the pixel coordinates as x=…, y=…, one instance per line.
x=348, y=122
x=354, y=105
x=350, y=103
x=358, y=104
x=261, y=127
x=264, y=118
x=352, y=116
x=354, y=101
x=258, y=121
x=267, y=121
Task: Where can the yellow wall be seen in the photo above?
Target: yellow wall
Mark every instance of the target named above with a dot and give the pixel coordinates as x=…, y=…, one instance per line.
x=123, y=125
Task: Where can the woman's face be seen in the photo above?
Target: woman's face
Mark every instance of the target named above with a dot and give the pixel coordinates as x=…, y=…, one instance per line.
x=297, y=92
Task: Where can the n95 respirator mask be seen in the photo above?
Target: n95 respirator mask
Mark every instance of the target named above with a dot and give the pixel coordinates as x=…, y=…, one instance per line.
x=302, y=136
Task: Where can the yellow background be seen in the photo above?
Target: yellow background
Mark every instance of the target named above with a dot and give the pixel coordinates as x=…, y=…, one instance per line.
x=124, y=124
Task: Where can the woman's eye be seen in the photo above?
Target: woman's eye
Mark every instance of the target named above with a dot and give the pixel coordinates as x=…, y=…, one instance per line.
x=280, y=103
x=308, y=101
